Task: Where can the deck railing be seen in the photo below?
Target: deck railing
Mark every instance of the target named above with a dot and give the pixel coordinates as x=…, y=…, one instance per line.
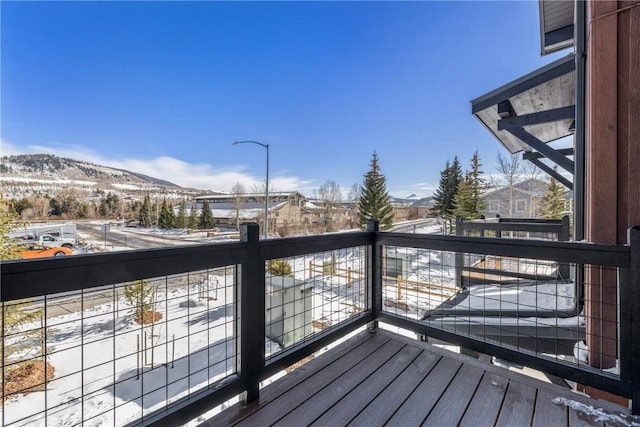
x=227, y=318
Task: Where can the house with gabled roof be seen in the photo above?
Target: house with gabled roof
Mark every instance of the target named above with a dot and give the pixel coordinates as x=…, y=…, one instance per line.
x=522, y=200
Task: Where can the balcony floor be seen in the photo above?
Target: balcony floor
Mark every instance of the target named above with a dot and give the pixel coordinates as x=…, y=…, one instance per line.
x=386, y=379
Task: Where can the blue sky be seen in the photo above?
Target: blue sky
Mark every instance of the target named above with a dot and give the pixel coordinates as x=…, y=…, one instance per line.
x=164, y=88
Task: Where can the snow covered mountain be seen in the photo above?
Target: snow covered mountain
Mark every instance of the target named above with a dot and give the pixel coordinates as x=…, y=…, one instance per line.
x=30, y=174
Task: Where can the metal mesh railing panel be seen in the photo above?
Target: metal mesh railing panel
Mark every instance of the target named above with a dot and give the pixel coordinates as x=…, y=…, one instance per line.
x=115, y=354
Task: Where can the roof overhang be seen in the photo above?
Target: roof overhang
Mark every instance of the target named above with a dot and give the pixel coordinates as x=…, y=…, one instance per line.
x=556, y=25
x=528, y=113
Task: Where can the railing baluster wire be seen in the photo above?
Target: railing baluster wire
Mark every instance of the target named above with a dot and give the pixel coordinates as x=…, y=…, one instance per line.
x=249, y=257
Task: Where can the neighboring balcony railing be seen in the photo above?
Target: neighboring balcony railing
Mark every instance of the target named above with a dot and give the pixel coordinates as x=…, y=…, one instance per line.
x=160, y=336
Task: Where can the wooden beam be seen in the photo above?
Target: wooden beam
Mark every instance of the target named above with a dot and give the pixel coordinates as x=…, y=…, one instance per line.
x=505, y=109
x=549, y=152
x=535, y=155
x=552, y=172
x=546, y=116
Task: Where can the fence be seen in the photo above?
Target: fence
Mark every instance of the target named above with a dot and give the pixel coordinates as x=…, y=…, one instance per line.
x=467, y=271
x=222, y=325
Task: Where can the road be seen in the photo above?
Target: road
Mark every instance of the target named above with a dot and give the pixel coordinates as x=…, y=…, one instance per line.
x=119, y=237
x=414, y=226
x=122, y=238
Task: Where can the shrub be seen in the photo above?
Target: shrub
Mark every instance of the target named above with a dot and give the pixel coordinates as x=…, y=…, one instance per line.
x=327, y=267
x=279, y=267
x=142, y=296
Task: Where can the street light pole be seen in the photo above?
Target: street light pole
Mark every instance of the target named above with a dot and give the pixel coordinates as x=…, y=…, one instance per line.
x=266, y=187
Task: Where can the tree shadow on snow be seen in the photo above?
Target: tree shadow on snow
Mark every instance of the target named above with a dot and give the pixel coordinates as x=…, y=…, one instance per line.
x=164, y=383
x=207, y=316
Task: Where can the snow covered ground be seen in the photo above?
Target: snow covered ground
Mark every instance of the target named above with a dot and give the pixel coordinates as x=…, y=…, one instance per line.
x=110, y=370
x=102, y=378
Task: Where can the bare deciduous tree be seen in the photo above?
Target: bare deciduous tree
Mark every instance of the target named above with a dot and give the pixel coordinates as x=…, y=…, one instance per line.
x=353, y=198
x=531, y=174
x=257, y=193
x=238, y=193
x=510, y=167
x=331, y=197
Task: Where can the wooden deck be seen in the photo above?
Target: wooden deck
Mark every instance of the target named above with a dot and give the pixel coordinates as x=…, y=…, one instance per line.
x=386, y=379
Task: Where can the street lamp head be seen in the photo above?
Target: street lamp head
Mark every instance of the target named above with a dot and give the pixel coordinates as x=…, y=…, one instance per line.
x=251, y=142
x=266, y=187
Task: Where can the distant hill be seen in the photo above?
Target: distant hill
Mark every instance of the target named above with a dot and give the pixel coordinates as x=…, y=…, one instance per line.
x=27, y=175
x=412, y=200
x=47, y=166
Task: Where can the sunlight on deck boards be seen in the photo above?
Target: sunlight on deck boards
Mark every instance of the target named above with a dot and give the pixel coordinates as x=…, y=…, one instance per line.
x=386, y=379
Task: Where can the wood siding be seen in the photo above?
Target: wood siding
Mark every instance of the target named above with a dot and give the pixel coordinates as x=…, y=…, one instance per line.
x=612, y=199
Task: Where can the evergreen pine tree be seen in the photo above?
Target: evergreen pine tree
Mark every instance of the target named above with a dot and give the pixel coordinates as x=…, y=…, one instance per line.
x=463, y=200
x=103, y=209
x=206, y=219
x=192, y=220
x=456, y=173
x=553, y=201
x=478, y=186
x=145, y=216
x=166, y=219
x=450, y=179
x=468, y=201
x=181, y=217
x=441, y=196
x=16, y=313
x=374, y=201
x=9, y=248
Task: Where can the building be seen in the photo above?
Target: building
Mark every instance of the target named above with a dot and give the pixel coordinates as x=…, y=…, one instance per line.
x=590, y=99
x=289, y=212
x=523, y=200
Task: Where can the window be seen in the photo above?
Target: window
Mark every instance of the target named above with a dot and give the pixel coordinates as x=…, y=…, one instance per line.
x=521, y=205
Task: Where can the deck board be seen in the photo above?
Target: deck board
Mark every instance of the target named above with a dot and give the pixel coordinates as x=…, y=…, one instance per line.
x=302, y=392
x=347, y=408
x=455, y=400
x=386, y=379
x=487, y=400
x=416, y=408
x=583, y=420
x=343, y=355
x=548, y=413
x=380, y=409
x=517, y=407
x=331, y=393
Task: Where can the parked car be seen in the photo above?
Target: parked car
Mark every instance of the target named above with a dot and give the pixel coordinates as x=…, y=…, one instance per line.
x=41, y=251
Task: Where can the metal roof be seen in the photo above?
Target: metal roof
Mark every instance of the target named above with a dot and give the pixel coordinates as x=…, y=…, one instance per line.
x=556, y=25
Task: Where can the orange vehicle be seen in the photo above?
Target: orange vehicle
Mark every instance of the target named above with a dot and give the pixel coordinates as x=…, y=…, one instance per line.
x=41, y=251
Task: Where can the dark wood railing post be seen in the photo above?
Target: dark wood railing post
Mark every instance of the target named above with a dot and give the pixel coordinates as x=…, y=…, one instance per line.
x=459, y=257
x=251, y=306
x=634, y=328
x=374, y=267
x=563, y=236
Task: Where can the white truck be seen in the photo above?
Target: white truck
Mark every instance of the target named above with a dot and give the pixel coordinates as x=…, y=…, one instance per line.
x=49, y=235
x=49, y=240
